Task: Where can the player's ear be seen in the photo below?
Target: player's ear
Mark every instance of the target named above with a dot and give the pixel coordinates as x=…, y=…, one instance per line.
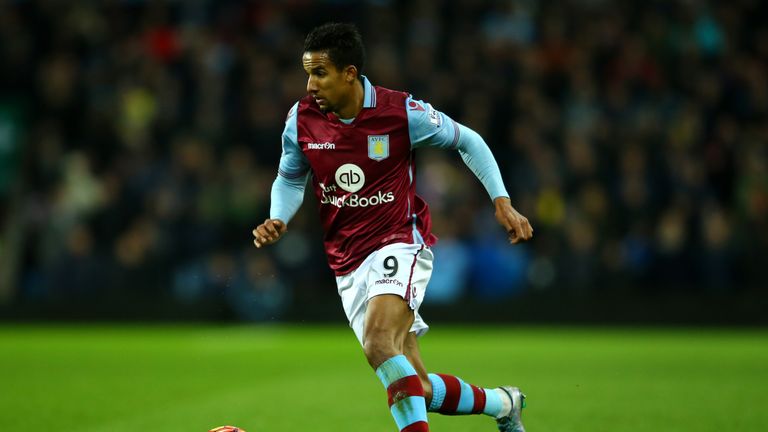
x=350, y=73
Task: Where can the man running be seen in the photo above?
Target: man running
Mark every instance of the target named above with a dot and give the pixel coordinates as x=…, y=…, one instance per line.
x=356, y=142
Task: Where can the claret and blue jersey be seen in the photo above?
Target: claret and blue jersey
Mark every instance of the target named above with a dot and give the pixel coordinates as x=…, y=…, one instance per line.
x=363, y=174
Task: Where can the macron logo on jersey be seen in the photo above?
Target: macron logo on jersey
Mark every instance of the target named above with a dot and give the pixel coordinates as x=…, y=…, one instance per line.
x=321, y=146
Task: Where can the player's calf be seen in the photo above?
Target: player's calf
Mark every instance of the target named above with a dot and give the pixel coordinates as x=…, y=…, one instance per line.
x=405, y=394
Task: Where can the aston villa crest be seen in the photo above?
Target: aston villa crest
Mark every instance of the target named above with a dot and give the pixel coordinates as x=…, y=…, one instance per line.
x=378, y=147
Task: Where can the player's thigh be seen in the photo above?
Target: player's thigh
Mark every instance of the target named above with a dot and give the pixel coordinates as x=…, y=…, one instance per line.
x=400, y=269
x=396, y=282
x=388, y=317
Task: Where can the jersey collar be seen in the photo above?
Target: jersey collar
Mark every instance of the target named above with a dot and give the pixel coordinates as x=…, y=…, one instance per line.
x=369, y=101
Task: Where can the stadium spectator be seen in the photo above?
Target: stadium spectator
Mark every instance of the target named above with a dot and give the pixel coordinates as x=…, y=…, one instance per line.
x=633, y=133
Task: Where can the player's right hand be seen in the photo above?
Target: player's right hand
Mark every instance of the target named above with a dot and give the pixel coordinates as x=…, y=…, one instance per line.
x=269, y=232
x=518, y=227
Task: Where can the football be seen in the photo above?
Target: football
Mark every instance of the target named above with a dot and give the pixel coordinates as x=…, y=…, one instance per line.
x=227, y=429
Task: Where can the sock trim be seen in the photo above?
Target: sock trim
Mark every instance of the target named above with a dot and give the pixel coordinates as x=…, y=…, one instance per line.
x=393, y=369
x=438, y=392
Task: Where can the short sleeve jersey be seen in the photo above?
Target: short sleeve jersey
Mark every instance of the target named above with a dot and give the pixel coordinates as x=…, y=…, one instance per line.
x=363, y=172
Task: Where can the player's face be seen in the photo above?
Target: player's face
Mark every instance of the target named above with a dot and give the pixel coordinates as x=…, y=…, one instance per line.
x=327, y=84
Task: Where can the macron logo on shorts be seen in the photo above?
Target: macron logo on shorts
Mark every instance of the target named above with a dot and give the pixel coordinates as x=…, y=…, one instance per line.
x=389, y=281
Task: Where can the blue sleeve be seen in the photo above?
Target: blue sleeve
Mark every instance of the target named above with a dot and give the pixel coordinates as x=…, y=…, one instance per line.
x=288, y=188
x=286, y=198
x=293, y=163
x=429, y=127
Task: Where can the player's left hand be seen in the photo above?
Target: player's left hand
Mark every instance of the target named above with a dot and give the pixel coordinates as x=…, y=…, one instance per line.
x=269, y=232
x=517, y=226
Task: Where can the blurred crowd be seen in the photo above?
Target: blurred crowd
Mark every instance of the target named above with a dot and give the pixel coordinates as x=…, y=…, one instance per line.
x=634, y=135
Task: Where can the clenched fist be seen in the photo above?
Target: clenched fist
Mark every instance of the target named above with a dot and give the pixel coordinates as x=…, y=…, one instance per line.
x=269, y=232
x=517, y=226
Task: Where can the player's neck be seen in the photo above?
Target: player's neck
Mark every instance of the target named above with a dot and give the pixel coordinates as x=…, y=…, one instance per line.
x=355, y=103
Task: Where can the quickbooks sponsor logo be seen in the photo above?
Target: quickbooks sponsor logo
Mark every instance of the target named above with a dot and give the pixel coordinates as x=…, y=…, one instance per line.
x=355, y=200
x=350, y=177
x=379, y=198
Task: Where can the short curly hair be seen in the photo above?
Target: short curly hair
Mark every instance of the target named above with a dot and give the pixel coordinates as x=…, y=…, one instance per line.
x=342, y=42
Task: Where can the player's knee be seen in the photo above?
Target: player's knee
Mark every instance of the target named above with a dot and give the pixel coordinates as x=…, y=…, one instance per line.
x=378, y=348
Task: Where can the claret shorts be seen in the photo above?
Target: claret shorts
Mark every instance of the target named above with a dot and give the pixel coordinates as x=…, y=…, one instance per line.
x=401, y=269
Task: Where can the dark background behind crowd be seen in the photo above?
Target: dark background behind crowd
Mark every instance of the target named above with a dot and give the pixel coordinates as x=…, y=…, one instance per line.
x=139, y=141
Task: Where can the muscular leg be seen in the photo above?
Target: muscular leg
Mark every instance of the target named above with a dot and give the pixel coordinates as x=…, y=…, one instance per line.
x=387, y=338
x=452, y=390
x=393, y=352
x=388, y=319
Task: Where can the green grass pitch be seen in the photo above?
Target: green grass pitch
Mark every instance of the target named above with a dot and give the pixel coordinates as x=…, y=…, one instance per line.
x=306, y=378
